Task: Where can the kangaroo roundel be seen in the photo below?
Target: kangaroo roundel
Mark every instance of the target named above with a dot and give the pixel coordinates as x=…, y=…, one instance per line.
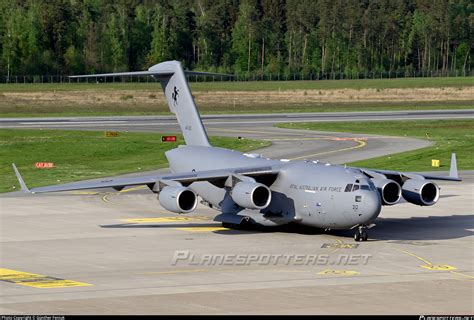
x=174, y=95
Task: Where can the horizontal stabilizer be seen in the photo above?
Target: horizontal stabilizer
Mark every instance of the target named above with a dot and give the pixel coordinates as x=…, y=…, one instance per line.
x=163, y=73
x=155, y=73
x=211, y=74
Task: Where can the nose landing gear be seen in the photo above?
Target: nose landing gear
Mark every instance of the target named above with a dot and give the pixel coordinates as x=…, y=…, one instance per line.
x=361, y=234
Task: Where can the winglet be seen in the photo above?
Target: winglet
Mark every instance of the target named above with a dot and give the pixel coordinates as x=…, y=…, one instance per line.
x=24, y=188
x=453, y=169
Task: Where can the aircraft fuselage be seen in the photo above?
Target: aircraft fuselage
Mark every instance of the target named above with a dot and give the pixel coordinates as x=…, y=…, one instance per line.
x=305, y=192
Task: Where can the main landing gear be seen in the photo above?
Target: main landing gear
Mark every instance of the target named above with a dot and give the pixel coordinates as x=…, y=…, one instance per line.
x=361, y=234
x=245, y=222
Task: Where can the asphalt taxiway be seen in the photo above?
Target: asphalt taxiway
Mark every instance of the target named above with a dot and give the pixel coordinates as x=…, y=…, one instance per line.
x=107, y=252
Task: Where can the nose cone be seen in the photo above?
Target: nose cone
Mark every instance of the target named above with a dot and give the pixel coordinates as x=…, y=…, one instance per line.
x=372, y=207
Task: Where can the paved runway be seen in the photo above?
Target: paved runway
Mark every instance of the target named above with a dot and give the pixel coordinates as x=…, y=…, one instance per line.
x=120, y=252
x=286, y=143
x=249, y=119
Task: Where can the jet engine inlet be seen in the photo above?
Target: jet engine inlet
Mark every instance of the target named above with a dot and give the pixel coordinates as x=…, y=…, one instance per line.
x=389, y=191
x=251, y=195
x=178, y=199
x=420, y=192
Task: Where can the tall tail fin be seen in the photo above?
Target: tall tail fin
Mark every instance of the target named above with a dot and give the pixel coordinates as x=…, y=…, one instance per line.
x=178, y=95
x=181, y=103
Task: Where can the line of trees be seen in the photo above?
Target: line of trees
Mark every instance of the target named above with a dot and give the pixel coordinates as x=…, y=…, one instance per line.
x=243, y=37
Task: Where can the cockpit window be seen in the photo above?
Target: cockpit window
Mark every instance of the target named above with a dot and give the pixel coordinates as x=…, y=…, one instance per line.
x=354, y=187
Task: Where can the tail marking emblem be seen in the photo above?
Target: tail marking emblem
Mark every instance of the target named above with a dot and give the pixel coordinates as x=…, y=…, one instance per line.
x=174, y=95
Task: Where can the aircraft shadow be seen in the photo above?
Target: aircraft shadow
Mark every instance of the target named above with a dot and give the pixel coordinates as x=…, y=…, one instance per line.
x=419, y=228
x=415, y=228
x=175, y=225
x=289, y=228
x=448, y=196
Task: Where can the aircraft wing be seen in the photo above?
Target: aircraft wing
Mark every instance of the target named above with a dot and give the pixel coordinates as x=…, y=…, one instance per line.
x=402, y=176
x=214, y=176
x=409, y=175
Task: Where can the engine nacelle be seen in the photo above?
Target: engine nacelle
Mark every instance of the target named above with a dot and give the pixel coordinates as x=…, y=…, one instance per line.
x=178, y=199
x=389, y=190
x=420, y=192
x=251, y=195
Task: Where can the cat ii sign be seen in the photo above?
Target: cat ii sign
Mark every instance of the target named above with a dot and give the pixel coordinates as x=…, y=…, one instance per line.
x=44, y=165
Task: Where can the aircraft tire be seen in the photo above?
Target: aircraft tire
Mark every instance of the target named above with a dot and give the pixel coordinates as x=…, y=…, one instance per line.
x=228, y=225
x=357, y=236
x=364, y=236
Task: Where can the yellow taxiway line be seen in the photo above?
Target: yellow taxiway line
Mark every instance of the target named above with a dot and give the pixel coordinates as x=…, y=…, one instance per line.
x=105, y=197
x=165, y=219
x=431, y=266
x=360, y=144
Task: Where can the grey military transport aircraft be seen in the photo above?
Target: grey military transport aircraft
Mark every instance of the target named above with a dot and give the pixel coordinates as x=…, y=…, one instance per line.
x=249, y=189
